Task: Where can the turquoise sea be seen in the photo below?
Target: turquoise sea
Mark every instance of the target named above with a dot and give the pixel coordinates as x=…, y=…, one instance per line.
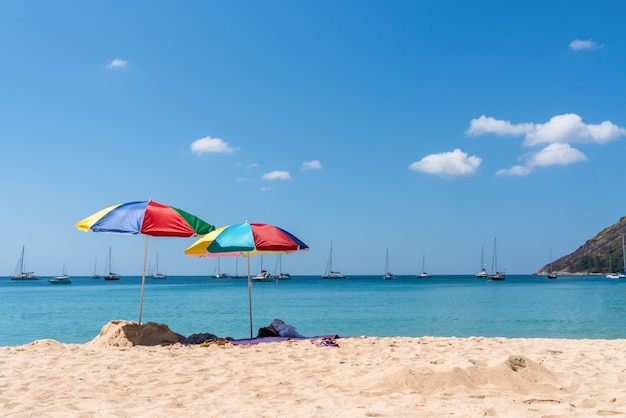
x=462, y=306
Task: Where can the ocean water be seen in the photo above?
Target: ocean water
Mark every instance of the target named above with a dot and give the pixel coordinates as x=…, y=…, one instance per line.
x=461, y=306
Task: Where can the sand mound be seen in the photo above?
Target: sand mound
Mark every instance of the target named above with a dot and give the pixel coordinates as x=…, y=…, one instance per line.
x=127, y=334
x=44, y=343
x=517, y=374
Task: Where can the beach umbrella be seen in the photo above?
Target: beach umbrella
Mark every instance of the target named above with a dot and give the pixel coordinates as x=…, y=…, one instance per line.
x=247, y=240
x=148, y=218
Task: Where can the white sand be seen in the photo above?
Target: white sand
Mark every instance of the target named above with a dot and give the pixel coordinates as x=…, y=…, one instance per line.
x=363, y=377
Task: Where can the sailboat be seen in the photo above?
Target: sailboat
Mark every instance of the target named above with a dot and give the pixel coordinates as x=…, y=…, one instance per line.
x=237, y=275
x=495, y=275
x=551, y=273
x=110, y=275
x=64, y=278
x=330, y=274
x=281, y=275
x=611, y=275
x=483, y=271
x=388, y=275
x=219, y=274
x=621, y=275
x=156, y=274
x=95, y=268
x=263, y=276
x=423, y=273
x=19, y=273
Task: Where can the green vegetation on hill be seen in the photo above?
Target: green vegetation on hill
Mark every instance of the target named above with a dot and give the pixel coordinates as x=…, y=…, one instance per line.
x=600, y=255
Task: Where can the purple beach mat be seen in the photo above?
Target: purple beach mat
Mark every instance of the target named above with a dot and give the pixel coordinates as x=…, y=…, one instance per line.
x=279, y=339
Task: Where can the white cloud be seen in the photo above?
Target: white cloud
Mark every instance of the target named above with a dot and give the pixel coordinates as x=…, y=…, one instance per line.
x=448, y=164
x=277, y=175
x=117, y=63
x=553, y=154
x=516, y=170
x=570, y=128
x=311, y=165
x=488, y=125
x=579, y=44
x=556, y=154
x=566, y=128
x=212, y=145
x=558, y=133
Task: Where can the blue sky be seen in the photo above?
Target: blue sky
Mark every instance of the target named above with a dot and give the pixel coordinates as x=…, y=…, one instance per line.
x=422, y=127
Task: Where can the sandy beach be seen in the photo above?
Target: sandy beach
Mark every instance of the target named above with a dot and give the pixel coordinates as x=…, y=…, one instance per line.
x=111, y=376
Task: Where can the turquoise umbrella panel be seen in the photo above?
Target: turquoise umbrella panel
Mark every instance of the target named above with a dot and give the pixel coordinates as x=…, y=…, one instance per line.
x=256, y=237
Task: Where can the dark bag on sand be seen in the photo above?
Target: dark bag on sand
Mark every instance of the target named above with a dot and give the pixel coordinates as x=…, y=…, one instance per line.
x=200, y=338
x=267, y=332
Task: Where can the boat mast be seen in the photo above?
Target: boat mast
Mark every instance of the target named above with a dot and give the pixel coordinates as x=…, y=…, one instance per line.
x=330, y=259
x=550, y=262
x=623, y=255
x=387, y=262
x=494, y=262
x=22, y=261
x=482, y=258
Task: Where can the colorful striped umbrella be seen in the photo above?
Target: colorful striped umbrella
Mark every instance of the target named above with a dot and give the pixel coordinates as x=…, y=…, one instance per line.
x=246, y=239
x=147, y=218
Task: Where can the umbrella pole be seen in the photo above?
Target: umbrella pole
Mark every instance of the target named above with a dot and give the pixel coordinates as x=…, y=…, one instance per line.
x=250, y=295
x=143, y=279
